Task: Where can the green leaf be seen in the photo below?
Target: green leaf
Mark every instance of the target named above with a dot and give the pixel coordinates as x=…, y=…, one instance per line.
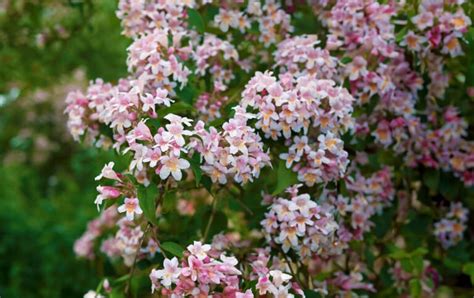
x=195, y=20
x=311, y=294
x=420, y=251
x=415, y=288
x=147, y=197
x=401, y=35
x=216, y=122
x=117, y=292
x=449, y=186
x=207, y=183
x=431, y=179
x=186, y=94
x=173, y=248
x=346, y=59
x=417, y=262
x=195, y=162
x=469, y=270
x=122, y=279
x=175, y=108
x=407, y=265
x=285, y=178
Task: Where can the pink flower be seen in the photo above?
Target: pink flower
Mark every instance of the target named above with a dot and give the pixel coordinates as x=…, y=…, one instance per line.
x=169, y=274
x=172, y=165
x=108, y=172
x=198, y=249
x=225, y=19
x=130, y=207
x=106, y=192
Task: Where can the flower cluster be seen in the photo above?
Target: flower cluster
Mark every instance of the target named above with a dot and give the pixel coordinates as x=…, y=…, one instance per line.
x=211, y=56
x=349, y=282
x=139, y=17
x=84, y=246
x=375, y=79
x=272, y=275
x=449, y=230
x=380, y=69
x=125, y=244
x=120, y=108
x=209, y=106
x=300, y=224
x=273, y=22
x=199, y=275
x=300, y=56
x=438, y=25
x=301, y=110
x=237, y=151
x=438, y=144
x=158, y=61
x=368, y=197
x=429, y=278
x=275, y=283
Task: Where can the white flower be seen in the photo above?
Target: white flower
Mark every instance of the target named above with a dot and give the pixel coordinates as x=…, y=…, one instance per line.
x=173, y=165
x=131, y=207
x=162, y=97
x=169, y=274
x=108, y=172
x=278, y=277
x=93, y=294
x=226, y=18
x=199, y=250
x=330, y=142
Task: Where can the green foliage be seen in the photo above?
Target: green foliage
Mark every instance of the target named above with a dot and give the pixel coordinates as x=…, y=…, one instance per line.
x=285, y=178
x=45, y=207
x=91, y=28
x=173, y=248
x=40, y=218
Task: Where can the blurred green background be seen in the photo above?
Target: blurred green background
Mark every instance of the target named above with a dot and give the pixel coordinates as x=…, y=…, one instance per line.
x=47, y=188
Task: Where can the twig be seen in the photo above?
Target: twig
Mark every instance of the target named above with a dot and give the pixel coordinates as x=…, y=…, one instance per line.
x=211, y=218
x=132, y=270
x=289, y=266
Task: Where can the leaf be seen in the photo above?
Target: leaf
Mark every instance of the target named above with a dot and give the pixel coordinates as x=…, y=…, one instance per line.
x=195, y=20
x=147, y=197
x=216, y=122
x=401, y=35
x=449, y=186
x=417, y=262
x=415, y=288
x=469, y=270
x=420, y=251
x=431, y=179
x=117, y=292
x=406, y=265
x=195, y=162
x=173, y=248
x=207, y=183
x=346, y=60
x=186, y=94
x=175, y=109
x=311, y=294
x=285, y=178
x=122, y=279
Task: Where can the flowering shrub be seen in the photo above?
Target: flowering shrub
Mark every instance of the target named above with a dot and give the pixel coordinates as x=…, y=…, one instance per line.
x=295, y=163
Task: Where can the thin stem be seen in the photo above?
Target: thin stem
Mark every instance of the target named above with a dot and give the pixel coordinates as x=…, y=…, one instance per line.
x=132, y=270
x=149, y=225
x=211, y=218
x=291, y=268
